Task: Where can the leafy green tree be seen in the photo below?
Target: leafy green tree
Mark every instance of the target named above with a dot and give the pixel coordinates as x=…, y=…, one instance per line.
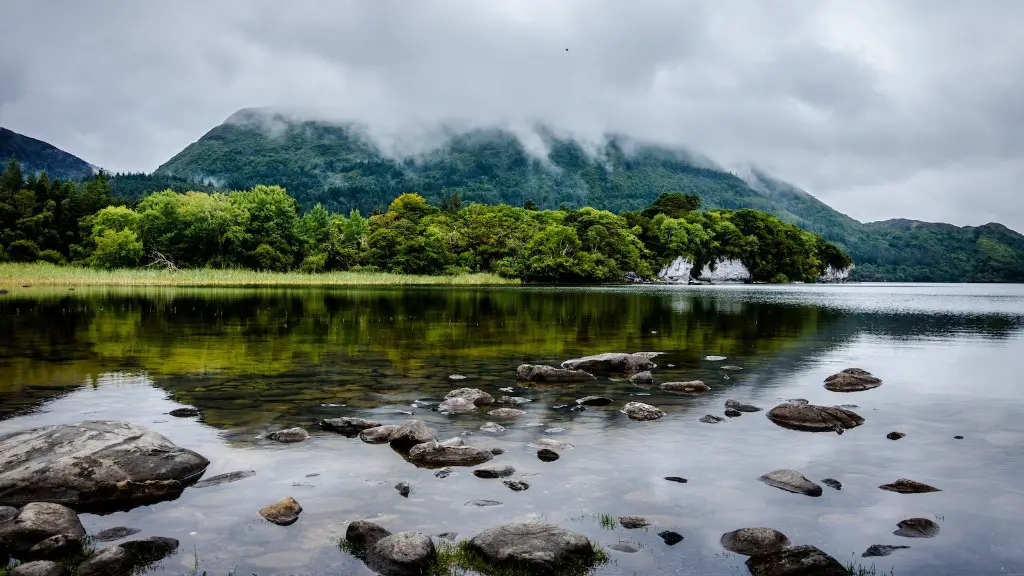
x=117, y=249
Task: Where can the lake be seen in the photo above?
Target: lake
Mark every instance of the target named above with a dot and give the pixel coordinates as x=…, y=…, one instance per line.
x=259, y=360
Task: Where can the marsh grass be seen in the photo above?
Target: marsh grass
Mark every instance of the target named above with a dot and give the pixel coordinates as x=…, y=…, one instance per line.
x=14, y=275
x=856, y=569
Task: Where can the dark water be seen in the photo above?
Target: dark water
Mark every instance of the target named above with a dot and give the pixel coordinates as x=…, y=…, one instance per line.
x=260, y=360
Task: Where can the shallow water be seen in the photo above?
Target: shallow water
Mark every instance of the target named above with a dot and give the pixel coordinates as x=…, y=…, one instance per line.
x=257, y=360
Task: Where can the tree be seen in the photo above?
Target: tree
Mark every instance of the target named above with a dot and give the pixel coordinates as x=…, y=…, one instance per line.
x=673, y=205
x=117, y=249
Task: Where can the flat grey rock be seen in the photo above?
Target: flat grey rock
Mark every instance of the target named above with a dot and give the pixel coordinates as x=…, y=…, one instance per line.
x=532, y=546
x=796, y=561
x=756, y=541
x=348, y=426
x=39, y=568
x=642, y=412
x=38, y=521
x=288, y=435
x=224, y=478
x=378, y=434
x=906, y=486
x=474, y=395
x=616, y=362
x=917, y=528
x=810, y=418
x=401, y=554
x=541, y=373
x=791, y=481
x=434, y=454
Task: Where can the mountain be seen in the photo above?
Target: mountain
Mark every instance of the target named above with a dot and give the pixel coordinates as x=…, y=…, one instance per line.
x=36, y=156
x=339, y=165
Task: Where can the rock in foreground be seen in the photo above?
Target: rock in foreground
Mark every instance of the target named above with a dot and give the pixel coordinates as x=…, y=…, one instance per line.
x=36, y=522
x=410, y=434
x=506, y=413
x=289, y=435
x=757, y=541
x=791, y=481
x=852, y=380
x=917, y=528
x=796, y=561
x=474, y=395
x=401, y=554
x=741, y=407
x=282, y=513
x=541, y=373
x=347, y=426
x=363, y=533
x=434, y=454
x=457, y=405
x=641, y=411
x=379, y=434
x=905, y=486
x=811, y=418
x=616, y=362
x=533, y=547
x=94, y=465
x=39, y=568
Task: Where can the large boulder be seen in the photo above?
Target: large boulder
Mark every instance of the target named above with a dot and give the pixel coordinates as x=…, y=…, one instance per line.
x=39, y=568
x=437, y=455
x=109, y=561
x=811, y=418
x=379, y=434
x=541, y=373
x=852, y=380
x=615, y=362
x=410, y=434
x=641, y=411
x=36, y=522
x=534, y=547
x=94, y=465
x=401, y=554
x=791, y=481
x=363, y=533
x=796, y=561
x=348, y=426
x=474, y=395
x=755, y=541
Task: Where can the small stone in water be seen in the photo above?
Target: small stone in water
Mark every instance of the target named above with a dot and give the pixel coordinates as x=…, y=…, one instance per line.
x=444, y=472
x=631, y=522
x=876, y=550
x=403, y=488
x=832, y=483
x=732, y=413
x=678, y=479
x=516, y=485
x=624, y=547
x=547, y=455
x=671, y=538
x=714, y=358
x=917, y=528
x=555, y=430
x=483, y=503
x=508, y=389
x=111, y=534
x=895, y=435
x=559, y=406
x=456, y=377
x=958, y=437
x=711, y=419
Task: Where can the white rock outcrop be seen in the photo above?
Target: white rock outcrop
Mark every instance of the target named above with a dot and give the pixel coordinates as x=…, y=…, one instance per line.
x=680, y=271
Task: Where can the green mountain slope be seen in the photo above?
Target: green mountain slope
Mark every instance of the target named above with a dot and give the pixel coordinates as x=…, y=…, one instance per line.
x=36, y=156
x=338, y=166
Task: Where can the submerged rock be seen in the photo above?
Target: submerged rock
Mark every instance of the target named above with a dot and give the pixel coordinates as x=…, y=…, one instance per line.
x=109, y=561
x=676, y=479
x=641, y=411
x=735, y=405
x=876, y=550
x=444, y=472
x=832, y=483
x=733, y=413
x=796, y=561
x=691, y=387
x=457, y=405
x=671, y=538
x=94, y=465
x=350, y=427
x=483, y=503
x=550, y=443
x=410, y=434
x=534, y=547
x=117, y=533
x=852, y=380
x=289, y=436
x=401, y=554
x=39, y=568
x=495, y=471
x=895, y=435
x=624, y=547
x=811, y=418
x=403, y=488
x=149, y=550
x=434, y=454
x=540, y=373
x=378, y=434
x=513, y=400
x=917, y=528
x=905, y=486
x=55, y=548
x=757, y=541
x=644, y=377
x=547, y=455
x=363, y=533
x=633, y=522
x=618, y=362
x=711, y=419
x=516, y=485
x=185, y=412
x=791, y=481
x=492, y=428
x=593, y=401
x=506, y=413
x=224, y=478
x=36, y=522
x=474, y=395
x=282, y=513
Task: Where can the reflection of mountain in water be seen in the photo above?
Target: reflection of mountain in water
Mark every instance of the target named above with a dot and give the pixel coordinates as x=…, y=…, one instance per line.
x=248, y=354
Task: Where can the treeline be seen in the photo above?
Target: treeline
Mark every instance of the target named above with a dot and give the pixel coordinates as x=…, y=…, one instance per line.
x=262, y=228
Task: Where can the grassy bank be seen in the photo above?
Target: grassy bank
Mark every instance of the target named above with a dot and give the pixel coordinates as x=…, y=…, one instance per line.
x=42, y=274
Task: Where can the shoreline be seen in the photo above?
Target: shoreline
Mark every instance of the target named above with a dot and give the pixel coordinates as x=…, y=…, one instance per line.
x=13, y=275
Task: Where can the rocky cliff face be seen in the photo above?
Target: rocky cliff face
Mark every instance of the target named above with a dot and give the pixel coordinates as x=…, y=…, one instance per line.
x=681, y=271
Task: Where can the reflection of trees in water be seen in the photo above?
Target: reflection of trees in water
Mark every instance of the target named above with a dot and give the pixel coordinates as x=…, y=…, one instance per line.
x=329, y=344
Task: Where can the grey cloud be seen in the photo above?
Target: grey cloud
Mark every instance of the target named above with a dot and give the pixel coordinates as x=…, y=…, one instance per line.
x=901, y=108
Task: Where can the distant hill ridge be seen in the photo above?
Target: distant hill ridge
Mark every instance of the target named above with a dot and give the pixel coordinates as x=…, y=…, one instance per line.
x=36, y=156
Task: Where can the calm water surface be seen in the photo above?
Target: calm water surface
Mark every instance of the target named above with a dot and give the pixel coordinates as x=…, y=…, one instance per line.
x=257, y=360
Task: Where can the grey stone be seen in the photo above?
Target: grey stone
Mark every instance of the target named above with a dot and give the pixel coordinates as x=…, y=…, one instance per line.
x=506, y=413
x=852, y=380
x=905, y=486
x=550, y=443
x=185, y=412
x=644, y=377
x=876, y=550
x=497, y=451
x=540, y=373
x=619, y=362
x=547, y=455
x=410, y=434
x=348, y=426
x=593, y=401
x=671, y=537
x=895, y=435
x=117, y=533
x=532, y=546
x=676, y=479
x=832, y=483
x=735, y=405
x=7, y=512
x=457, y=405
x=796, y=561
x=39, y=568
x=756, y=541
x=791, y=481
x=495, y=471
x=55, y=548
x=691, y=387
x=149, y=550
x=36, y=522
x=641, y=411
x=283, y=513
x=94, y=464
x=917, y=528
x=711, y=419
x=733, y=413
x=452, y=442
x=810, y=418
x=224, y=478
x=632, y=522
x=433, y=454
x=403, y=488
x=378, y=434
x=626, y=547
x=363, y=533
x=401, y=554
x=444, y=472
x=288, y=435
x=492, y=428
x=109, y=561
x=483, y=503
x=474, y=395
x=513, y=400
x=516, y=485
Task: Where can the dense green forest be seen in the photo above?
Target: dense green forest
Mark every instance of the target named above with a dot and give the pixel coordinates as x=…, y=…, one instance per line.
x=262, y=228
x=339, y=167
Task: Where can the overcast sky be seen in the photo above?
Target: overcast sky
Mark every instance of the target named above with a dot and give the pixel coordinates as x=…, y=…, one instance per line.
x=884, y=108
